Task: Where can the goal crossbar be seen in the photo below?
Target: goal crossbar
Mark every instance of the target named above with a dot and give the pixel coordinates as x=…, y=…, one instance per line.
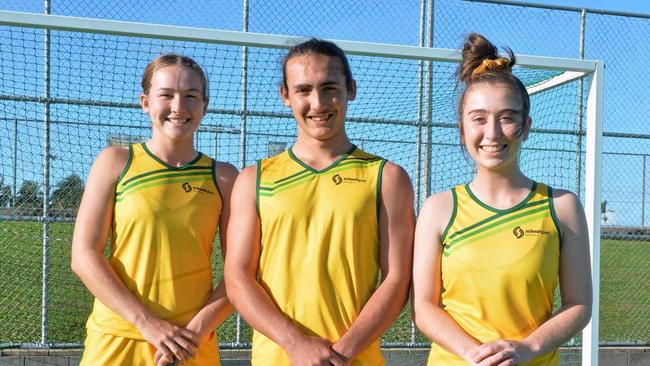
x=148, y=30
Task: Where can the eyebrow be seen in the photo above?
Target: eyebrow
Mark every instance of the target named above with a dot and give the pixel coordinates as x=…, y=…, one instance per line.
x=508, y=110
x=308, y=86
x=171, y=89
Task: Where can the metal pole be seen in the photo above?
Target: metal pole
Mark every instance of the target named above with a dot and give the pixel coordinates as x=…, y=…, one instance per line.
x=418, y=144
x=46, y=182
x=583, y=15
x=244, y=101
x=216, y=144
x=15, y=172
x=244, y=120
x=643, y=193
x=429, y=104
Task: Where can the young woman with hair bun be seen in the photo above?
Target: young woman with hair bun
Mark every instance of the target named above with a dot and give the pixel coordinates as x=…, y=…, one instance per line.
x=489, y=254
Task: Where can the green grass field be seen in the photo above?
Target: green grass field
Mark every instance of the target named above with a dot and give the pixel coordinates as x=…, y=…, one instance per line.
x=624, y=295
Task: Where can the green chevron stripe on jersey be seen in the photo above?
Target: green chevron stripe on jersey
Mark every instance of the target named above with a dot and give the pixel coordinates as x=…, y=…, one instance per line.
x=178, y=179
x=269, y=189
x=494, y=217
x=208, y=172
x=495, y=229
x=162, y=171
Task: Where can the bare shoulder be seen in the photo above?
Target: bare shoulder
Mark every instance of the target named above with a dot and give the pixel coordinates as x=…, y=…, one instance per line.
x=111, y=162
x=566, y=204
x=393, y=171
x=441, y=201
x=246, y=181
x=395, y=179
x=437, y=210
x=569, y=213
x=248, y=174
x=225, y=171
x=114, y=154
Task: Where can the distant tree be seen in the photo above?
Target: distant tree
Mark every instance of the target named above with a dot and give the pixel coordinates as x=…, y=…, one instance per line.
x=29, y=198
x=67, y=195
x=5, y=194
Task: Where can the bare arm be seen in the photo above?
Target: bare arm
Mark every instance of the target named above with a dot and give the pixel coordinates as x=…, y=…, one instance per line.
x=246, y=294
x=575, y=278
x=575, y=290
x=396, y=223
x=430, y=318
x=91, y=232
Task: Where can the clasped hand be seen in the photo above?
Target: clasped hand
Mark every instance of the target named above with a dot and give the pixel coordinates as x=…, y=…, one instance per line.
x=172, y=343
x=501, y=352
x=315, y=351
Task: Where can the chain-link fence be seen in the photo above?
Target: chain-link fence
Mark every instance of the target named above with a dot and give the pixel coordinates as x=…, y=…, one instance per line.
x=88, y=95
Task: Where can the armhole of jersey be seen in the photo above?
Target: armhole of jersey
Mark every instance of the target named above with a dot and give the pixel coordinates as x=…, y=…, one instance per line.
x=214, y=178
x=126, y=167
x=379, y=175
x=452, y=218
x=257, y=186
x=553, y=215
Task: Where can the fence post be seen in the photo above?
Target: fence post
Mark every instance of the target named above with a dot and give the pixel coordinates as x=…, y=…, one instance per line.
x=643, y=193
x=581, y=51
x=243, y=124
x=15, y=167
x=429, y=109
x=46, y=184
x=418, y=136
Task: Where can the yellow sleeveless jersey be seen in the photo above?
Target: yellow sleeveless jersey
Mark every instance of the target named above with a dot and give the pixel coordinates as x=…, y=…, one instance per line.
x=164, y=223
x=319, y=258
x=499, y=269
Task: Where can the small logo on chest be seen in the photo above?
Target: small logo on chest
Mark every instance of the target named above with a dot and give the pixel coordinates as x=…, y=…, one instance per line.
x=337, y=179
x=187, y=187
x=519, y=233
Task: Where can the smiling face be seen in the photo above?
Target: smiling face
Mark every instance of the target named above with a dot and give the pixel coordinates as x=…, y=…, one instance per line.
x=317, y=94
x=493, y=126
x=175, y=102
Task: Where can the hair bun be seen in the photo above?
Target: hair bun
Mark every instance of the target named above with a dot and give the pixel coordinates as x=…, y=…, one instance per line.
x=481, y=56
x=491, y=65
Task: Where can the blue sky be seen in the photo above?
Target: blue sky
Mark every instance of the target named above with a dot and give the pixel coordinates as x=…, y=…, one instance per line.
x=632, y=6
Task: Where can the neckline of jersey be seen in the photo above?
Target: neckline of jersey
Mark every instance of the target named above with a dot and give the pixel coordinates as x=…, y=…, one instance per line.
x=160, y=161
x=530, y=195
x=309, y=168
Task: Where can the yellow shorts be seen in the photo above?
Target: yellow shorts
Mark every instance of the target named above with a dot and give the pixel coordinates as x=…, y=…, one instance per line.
x=110, y=350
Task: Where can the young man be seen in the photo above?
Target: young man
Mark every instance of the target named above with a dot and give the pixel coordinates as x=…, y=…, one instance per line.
x=313, y=226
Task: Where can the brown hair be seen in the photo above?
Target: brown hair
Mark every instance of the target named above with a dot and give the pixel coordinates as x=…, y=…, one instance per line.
x=474, y=69
x=321, y=47
x=171, y=59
